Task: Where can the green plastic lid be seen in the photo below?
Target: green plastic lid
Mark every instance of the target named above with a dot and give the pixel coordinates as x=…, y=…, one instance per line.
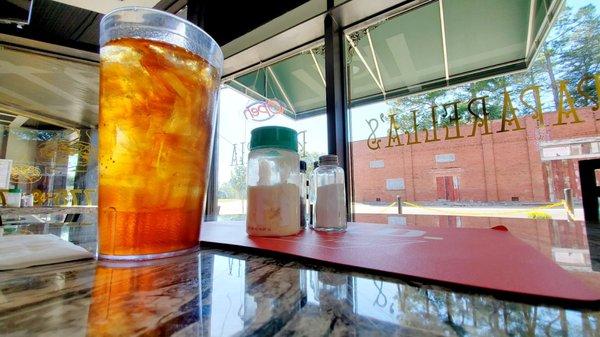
x=274, y=136
x=14, y=190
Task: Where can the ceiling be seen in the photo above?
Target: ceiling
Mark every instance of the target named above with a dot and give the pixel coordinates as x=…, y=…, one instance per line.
x=75, y=23
x=49, y=70
x=106, y=6
x=48, y=88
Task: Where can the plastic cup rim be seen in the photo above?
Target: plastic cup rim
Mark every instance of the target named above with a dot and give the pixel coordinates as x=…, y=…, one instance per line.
x=171, y=15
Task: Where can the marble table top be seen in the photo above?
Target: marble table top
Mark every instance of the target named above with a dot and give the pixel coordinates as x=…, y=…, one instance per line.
x=216, y=292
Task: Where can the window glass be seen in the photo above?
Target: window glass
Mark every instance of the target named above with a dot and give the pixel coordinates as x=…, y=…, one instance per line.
x=495, y=137
x=288, y=93
x=56, y=166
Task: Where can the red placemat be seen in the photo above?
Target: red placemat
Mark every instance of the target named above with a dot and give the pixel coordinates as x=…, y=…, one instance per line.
x=488, y=259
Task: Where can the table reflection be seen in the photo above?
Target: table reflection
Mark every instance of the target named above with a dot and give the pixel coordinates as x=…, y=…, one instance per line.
x=262, y=296
x=152, y=298
x=223, y=293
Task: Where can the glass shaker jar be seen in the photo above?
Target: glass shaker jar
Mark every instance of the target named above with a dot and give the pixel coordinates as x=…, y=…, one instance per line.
x=273, y=182
x=330, y=195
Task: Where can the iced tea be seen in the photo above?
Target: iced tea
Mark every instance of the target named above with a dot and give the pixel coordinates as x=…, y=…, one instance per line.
x=156, y=122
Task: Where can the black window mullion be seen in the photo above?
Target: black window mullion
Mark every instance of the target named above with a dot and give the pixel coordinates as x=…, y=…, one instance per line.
x=335, y=95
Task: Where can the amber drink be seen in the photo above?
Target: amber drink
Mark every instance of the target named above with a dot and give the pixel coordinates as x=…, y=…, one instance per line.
x=159, y=78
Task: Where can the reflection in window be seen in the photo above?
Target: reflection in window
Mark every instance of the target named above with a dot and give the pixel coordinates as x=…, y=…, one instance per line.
x=503, y=142
x=481, y=134
x=57, y=166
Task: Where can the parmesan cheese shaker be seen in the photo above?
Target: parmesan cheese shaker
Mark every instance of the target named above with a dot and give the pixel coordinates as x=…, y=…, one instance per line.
x=273, y=182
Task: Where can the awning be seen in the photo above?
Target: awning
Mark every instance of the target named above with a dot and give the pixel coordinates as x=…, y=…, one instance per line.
x=297, y=83
x=437, y=44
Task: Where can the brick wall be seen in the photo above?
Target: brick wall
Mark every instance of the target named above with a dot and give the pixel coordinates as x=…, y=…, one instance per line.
x=495, y=167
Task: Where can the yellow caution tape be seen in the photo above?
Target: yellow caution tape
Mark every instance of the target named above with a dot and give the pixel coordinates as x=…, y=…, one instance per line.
x=459, y=213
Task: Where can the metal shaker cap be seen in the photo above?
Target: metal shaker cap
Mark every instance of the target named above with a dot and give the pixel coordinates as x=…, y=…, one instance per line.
x=328, y=159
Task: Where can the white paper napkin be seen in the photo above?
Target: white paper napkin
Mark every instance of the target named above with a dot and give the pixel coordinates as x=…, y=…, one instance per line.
x=22, y=251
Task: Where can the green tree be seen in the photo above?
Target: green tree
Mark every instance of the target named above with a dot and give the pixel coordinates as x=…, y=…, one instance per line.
x=226, y=191
x=404, y=106
x=310, y=158
x=238, y=182
x=577, y=47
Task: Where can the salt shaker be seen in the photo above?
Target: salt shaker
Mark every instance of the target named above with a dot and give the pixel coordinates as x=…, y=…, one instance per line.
x=330, y=196
x=273, y=182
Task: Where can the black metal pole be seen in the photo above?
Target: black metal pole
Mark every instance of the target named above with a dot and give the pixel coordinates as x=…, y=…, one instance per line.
x=196, y=14
x=196, y=11
x=590, y=192
x=335, y=94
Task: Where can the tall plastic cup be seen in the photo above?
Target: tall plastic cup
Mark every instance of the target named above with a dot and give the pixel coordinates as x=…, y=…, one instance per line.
x=159, y=81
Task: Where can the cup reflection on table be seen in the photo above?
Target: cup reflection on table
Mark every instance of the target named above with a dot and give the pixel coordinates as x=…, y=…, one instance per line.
x=155, y=132
x=271, y=294
x=333, y=292
x=153, y=298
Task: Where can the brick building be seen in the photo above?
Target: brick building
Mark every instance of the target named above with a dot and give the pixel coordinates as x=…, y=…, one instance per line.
x=530, y=165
